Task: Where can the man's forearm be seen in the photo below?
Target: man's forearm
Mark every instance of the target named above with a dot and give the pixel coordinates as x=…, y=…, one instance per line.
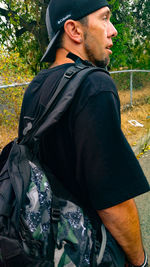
x=122, y=221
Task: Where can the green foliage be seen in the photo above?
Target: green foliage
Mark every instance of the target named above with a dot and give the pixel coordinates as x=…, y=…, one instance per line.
x=12, y=70
x=10, y=99
x=140, y=80
x=148, y=99
x=123, y=21
x=142, y=17
x=22, y=27
x=122, y=80
x=131, y=47
x=22, y=23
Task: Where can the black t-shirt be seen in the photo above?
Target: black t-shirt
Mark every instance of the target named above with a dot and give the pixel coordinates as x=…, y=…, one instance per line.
x=87, y=150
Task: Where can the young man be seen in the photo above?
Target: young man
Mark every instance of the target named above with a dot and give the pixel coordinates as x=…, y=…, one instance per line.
x=87, y=150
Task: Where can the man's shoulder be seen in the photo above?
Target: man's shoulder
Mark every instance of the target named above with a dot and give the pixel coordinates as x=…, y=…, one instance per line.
x=51, y=75
x=101, y=79
x=93, y=86
x=96, y=82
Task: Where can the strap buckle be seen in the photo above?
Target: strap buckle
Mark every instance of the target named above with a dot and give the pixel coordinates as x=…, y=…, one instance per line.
x=72, y=71
x=69, y=74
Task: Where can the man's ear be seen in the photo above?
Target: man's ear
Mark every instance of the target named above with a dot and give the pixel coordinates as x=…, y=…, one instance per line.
x=74, y=30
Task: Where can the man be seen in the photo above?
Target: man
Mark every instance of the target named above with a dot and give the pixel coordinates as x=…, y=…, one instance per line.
x=87, y=150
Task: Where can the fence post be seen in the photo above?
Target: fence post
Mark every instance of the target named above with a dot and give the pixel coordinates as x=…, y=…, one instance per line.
x=131, y=86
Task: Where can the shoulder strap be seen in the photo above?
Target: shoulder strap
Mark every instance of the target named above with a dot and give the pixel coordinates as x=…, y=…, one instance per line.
x=61, y=99
x=64, y=99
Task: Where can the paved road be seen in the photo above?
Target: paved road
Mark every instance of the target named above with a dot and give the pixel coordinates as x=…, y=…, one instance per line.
x=143, y=203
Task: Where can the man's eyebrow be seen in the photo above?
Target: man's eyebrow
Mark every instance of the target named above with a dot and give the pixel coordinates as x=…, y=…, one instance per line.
x=106, y=12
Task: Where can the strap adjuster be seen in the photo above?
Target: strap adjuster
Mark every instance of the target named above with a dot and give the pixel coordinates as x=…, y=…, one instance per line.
x=72, y=71
x=55, y=214
x=69, y=74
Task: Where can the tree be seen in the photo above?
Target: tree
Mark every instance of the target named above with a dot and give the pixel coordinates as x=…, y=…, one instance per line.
x=22, y=27
x=142, y=33
x=142, y=15
x=131, y=46
x=123, y=21
x=12, y=70
x=22, y=23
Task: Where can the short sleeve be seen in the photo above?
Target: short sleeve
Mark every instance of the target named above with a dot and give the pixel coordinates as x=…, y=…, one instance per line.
x=105, y=163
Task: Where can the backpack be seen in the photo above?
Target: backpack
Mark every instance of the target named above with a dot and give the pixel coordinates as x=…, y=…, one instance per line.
x=41, y=224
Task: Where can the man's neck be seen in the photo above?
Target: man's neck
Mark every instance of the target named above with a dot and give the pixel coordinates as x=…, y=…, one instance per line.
x=61, y=57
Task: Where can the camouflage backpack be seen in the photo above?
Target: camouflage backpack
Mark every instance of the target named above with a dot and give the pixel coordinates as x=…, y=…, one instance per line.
x=39, y=227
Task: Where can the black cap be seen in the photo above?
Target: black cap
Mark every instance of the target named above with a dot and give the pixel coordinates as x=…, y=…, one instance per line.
x=59, y=11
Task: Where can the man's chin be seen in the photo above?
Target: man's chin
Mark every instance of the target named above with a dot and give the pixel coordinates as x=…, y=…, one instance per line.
x=102, y=63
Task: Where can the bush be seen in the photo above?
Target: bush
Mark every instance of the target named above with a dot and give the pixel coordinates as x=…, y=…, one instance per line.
x=12, y=70
x=10, y=99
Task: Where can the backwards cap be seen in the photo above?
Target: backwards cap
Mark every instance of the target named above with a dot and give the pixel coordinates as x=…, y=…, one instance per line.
x=58, y=12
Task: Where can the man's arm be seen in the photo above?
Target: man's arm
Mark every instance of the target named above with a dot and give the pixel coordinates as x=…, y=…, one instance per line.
x=122, y=221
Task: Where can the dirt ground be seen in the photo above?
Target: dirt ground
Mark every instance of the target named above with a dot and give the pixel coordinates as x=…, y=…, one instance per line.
x=138, y=113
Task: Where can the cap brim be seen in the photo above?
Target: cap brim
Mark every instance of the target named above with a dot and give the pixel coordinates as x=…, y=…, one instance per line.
x=50, y=53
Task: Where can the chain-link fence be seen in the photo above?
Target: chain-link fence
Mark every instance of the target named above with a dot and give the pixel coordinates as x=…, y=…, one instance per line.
x=10, y=103
x=133, y=86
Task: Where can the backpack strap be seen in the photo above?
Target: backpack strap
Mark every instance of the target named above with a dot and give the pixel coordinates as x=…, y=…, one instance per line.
x=70, y=72
x=72, y=81
x=61, y=99
x=55, y=217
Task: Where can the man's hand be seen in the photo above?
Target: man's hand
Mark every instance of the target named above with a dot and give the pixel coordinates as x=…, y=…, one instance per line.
x=122, y=221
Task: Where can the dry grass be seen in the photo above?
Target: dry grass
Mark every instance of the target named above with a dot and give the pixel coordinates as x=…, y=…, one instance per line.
x=138, y=96
x=6, y=135
x=139, y=112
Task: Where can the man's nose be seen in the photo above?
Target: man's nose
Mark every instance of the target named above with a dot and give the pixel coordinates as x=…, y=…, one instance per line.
x=112, y=32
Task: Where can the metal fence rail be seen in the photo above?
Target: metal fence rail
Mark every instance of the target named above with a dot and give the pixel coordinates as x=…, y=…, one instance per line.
x=14, y=85
x=131, y=80
x=111, y=72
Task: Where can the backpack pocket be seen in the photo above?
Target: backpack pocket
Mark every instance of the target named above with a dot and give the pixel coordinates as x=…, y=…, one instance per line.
x=12, y=254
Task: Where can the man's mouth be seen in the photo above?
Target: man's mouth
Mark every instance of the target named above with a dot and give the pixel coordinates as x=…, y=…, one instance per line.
x=109, y=48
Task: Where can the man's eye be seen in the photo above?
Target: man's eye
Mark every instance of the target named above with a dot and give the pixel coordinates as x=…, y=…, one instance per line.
x=105, y=18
